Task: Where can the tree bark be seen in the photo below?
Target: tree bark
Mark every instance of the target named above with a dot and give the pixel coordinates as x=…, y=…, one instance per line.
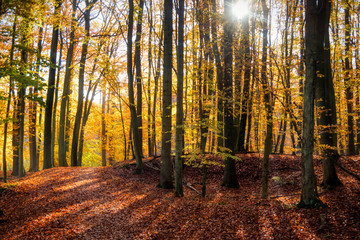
x=11, y=86
x=34, y=163
x=166, y=170
x=313, y=46
x=245, y=32
x=137, y=62
x=230, y=177
x=326, y=102
x=134, y=122
x=348, y=82
x=179, y=107
x=150, y=60
x=63, y=122
x=219, y=74
x=50, y=92
x=78, y=117
x=103, y=129
x=268, y=107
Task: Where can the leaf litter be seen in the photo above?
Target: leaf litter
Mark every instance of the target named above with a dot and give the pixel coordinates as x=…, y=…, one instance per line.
x=112, y=203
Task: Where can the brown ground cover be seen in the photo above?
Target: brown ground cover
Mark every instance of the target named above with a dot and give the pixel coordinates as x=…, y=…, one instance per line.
x=111, y=203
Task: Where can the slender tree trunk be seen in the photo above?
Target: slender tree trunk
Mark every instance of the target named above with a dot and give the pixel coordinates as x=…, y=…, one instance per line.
x=50, y=91
x=103, y=129
x=22, y=83
x=150, y=59
x=137, y=62
x=78, y=117
x=179, y=107
x=301, y=70
x=8, y=101
x=111, y=153
x=15, y=136
x=348, y=82
x=21, y=102
x=254, y=80
x=63, y=123
x=268, y=106
x=219, y=74
x=166, y=162
x=34, y=164
x=357, y=62
x=230, y=177
x=156, y=81
x=245, y=30
x=134, y=122
x=124, y=132
x=54, y=120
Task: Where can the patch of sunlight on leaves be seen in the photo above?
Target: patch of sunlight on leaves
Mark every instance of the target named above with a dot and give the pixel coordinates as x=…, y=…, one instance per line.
x=74, y=185
x=277, y=180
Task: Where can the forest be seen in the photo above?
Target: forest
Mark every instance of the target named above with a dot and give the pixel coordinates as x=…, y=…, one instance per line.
x=186, y=119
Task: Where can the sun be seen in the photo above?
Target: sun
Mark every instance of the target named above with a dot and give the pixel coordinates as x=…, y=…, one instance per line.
x=240, y=8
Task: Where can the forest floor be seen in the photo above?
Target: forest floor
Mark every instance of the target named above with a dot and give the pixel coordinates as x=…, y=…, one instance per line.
x=112, y=203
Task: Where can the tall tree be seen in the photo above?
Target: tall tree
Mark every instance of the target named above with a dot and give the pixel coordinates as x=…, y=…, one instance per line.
x=245, y=34
x=78, y=117
x=11, y=83
x=103, y=129
x=150, y=116
x=63, y=122
x=54, y=119
x=219, y=72
x=348, y=82
x=267, y=100
x=23, y=82
x=51, y=88
x=230, y=177
x=166, y=162
x=137, y=62
x=179, y=101
x=34, y=158
x=314, y=14
x=134, y=122
x=326, y=102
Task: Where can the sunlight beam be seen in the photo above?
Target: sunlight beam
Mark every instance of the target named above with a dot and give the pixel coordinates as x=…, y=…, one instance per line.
x=240, y=8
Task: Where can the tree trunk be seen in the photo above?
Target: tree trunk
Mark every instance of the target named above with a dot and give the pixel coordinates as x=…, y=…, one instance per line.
x=230, y=177
x=78, y=117
x=11, y=85
x=348, y=82
x=357, y=62
x=313, y=46
x=326, y=102
x=166, y=162
x=34, y=164
x=134, y=122
x=219, y=74
x=268, y=107
x=156, y=81
x=103, y=129
x=137, y=62
x=15, y=136
x=150, y=60
x=50, y=92
x=63, y=126
x=179, y=107
x=245, y=30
